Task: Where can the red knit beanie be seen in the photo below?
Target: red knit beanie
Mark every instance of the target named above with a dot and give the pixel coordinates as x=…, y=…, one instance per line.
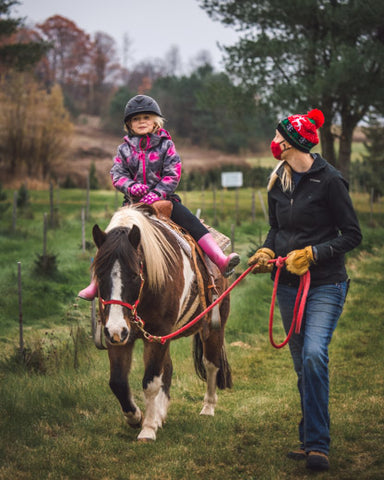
x=301, y=130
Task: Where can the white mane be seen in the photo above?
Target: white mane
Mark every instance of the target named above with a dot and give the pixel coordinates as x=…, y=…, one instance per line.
x=156, y=248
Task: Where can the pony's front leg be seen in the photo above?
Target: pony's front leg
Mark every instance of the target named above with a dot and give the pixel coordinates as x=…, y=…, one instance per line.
x=210, y=397
x=156, y=385
x=120, y=358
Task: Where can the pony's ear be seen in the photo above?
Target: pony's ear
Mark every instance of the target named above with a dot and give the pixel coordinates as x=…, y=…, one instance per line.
x=98, y=236
x=134, y=236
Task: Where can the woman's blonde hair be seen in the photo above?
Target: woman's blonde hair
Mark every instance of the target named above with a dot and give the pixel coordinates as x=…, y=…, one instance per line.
x=158, y=121
x=286, y=177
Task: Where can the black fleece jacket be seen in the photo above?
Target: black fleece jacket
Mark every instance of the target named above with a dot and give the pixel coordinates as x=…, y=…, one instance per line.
x=318, y=213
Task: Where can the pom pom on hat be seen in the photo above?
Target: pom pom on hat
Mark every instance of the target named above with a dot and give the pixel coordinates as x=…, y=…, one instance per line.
x=301, y=130
x=317, y=116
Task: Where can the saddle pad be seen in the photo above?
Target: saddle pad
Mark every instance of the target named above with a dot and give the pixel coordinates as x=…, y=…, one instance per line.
x=178, y=236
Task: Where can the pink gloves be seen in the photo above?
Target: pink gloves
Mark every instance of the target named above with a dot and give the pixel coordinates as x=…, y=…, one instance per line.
x=150, y=198
x=138, y=190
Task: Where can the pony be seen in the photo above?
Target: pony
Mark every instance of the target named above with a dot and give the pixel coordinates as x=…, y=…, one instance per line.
x=148, y=282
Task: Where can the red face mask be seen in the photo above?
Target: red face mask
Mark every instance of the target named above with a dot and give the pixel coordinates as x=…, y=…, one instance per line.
x=277, y=150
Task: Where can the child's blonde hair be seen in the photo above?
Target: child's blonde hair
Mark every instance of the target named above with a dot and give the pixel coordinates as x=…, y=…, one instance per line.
x=158, y=121
x=286, y=177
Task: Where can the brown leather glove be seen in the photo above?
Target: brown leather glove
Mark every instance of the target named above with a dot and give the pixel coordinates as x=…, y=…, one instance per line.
x=299, y=261
x=260, y=260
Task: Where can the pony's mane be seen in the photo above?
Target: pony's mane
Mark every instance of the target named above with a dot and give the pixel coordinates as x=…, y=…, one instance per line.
x=156, y=249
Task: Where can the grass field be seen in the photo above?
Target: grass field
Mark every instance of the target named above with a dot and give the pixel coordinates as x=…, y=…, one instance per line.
x=59, y=420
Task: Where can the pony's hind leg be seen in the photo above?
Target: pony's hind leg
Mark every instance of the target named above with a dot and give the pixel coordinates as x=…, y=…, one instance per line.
x=212, y=356
x=156, y=386
x=120, y=363
x=210, y=397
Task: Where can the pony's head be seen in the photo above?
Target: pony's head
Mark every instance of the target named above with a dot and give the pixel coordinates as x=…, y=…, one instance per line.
x=131, y=251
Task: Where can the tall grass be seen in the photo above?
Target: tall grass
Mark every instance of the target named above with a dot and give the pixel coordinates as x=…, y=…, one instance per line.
x=62, y=421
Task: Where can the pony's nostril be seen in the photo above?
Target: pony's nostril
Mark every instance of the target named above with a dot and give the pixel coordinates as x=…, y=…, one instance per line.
x=124, y=334
x=106, y=333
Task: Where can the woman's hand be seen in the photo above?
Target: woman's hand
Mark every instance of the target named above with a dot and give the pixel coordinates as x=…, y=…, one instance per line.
x=260, y=260
x=299, y=261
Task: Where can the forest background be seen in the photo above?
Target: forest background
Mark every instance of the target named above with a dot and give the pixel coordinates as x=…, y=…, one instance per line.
x=63, y=92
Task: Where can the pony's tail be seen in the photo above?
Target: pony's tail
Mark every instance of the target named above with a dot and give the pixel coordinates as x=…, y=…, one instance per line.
x=224, y=375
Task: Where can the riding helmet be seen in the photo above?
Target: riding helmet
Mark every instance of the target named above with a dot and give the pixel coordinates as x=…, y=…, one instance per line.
x=141, y=104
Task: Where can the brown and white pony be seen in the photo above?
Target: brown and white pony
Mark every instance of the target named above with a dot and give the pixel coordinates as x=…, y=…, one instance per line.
x=142, y=267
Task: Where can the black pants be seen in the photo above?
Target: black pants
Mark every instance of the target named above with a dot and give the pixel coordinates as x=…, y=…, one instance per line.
x=185, y=218
x=182, y=216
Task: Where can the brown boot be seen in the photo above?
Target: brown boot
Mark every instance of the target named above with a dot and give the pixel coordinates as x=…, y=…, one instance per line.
x=317, y=461
x=297, y=454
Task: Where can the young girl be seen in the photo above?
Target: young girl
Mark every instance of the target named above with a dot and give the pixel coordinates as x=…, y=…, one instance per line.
x=147, y=168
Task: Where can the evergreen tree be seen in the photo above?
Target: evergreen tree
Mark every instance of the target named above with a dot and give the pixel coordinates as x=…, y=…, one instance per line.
x=15, y=54
x=301, y=54
x=374, y=160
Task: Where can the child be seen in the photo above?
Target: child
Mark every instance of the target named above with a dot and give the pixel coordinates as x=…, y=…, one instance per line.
x=147, y=168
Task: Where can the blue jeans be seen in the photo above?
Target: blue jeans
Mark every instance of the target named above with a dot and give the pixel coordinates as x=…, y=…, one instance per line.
x=309, y=351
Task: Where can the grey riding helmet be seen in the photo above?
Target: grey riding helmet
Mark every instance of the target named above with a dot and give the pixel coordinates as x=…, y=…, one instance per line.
x=141, y=104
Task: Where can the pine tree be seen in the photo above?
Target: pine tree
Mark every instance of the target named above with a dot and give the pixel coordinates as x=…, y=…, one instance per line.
x=13, y=53
x=303, y=54
x=374, y=160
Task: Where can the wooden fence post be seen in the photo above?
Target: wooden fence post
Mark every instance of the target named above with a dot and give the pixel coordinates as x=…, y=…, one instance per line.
x=215, y=222
x=51, y=209
x=237, y=206
x=45, y=236
x=88, y=201
x=21, y=335
x=232, y=237
x=14, y=212
x=83, y=230
x=253, y=207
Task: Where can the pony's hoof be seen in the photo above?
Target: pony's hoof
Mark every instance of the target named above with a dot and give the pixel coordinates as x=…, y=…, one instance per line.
x=134, y=420
x=147, y=435
x=208, y=410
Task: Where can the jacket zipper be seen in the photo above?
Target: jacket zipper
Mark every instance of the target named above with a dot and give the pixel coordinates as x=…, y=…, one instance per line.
x=142, y=154
x=290, y=221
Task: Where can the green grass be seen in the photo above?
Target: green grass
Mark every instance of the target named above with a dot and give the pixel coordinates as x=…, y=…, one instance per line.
x=62, y=422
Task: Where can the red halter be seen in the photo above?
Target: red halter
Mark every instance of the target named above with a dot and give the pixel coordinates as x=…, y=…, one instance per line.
x=132, y=308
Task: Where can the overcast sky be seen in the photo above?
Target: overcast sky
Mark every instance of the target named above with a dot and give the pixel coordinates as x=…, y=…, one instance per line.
x=152, y=26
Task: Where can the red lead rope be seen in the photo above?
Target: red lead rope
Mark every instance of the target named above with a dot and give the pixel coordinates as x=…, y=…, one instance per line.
x=298, y=312
x=202, y=314
x=301, y=299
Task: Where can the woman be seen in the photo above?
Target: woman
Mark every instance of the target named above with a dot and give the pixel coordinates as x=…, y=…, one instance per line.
x=313, y=224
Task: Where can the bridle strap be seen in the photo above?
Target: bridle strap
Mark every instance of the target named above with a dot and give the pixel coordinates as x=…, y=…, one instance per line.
x=130, y=307
x=119, y=302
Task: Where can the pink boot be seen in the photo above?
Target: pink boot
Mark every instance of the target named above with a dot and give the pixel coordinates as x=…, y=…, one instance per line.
x=90, y=292
x=225, y=264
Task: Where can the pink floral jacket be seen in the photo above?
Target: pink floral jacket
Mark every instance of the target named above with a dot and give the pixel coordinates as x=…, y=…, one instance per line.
x=151, y=160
